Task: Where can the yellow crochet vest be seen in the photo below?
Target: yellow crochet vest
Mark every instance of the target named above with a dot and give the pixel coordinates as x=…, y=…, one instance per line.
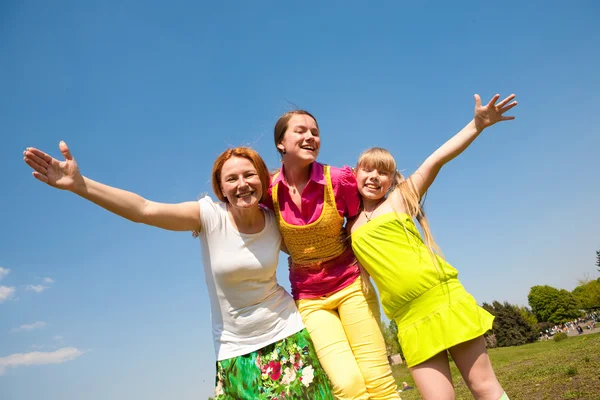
x=321, y=240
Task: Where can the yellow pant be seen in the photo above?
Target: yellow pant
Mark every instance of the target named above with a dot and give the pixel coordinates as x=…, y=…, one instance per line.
x=344, y=327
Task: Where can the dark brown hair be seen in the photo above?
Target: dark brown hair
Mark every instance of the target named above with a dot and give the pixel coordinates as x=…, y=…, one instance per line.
x=282, y=125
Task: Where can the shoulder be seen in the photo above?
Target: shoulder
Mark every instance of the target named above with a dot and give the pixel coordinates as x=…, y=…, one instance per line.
x=342, y=176
x=270, y=220
x=275, y=176
x=345, y=189
x=211, y=213
x=208, y=204
x=396, y=199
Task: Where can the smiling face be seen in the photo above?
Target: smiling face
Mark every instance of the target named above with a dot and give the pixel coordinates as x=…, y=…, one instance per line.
x=301, y=140
x=372, y=183
x=247, y=166
x=240, y=183
x=375, y=173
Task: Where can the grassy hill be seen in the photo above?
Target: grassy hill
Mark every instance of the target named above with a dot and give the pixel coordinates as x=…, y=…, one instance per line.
x=569, y=369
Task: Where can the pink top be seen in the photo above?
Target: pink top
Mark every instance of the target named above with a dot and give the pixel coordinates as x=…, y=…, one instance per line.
x=342, y=271
x=345, y=191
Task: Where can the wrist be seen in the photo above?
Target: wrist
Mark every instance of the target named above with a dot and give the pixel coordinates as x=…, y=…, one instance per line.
x=80, y=185
x=479, y=126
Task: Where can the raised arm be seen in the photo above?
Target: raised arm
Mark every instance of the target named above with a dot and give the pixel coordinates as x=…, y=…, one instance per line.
x=65, y=175
x=485, y=116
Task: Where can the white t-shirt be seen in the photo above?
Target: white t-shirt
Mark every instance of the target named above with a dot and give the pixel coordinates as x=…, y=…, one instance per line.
x=249, y=310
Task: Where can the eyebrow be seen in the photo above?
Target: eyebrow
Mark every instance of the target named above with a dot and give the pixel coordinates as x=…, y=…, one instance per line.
x=254, y=170
x=305, y=127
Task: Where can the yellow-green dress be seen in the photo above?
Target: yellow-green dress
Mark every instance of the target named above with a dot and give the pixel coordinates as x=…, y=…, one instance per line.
x=432, y=309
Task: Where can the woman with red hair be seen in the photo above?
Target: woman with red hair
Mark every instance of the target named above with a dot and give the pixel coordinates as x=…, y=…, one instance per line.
x=261, y=345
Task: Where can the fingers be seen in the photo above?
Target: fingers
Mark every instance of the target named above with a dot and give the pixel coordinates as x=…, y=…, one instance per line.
x=64, y=149
x=508, y=107
x=40, y=154
x=36, y=167
x=493, y=100
x=477, y=100
x=507, y=118
x=38, y=160
x=40, y=177
x=505, y=101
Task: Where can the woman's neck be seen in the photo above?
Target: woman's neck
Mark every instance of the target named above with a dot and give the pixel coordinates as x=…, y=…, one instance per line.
x=247, y=220
x=297, y=175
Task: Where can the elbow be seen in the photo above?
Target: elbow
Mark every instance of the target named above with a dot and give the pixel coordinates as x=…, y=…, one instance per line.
x=143, y=214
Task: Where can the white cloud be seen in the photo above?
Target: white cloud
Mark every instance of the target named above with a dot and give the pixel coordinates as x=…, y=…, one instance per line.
x=6, y=293
x=36, y=288
x=40, y=288
x=29, y=327
x=39, y=358
x=3, y=272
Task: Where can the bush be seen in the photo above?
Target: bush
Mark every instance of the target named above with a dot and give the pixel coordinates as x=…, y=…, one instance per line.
x=512, y=325
x=560, y=336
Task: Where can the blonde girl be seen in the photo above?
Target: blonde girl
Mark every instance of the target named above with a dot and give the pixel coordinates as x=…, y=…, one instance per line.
x=418, y=288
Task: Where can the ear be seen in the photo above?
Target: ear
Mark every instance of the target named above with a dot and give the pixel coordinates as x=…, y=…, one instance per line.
x=280, y=147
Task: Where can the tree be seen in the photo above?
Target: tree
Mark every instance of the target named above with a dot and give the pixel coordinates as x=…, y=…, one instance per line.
x=512, y=325
x=528, y=316
x=390, y=336
x=568, y=309
x=542, y=300
x=549, y=304
x=588, y=293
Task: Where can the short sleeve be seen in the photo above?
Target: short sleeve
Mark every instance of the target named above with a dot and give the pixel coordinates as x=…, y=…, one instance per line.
x=211, y=214
x=345, y=188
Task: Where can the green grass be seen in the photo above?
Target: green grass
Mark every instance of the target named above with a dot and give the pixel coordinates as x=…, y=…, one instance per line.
x=569, y=369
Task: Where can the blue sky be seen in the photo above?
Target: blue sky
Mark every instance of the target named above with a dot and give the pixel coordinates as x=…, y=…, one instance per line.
x=146, y=95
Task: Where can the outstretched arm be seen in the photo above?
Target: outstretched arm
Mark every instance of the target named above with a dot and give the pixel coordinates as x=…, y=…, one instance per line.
x=485, y=116
x=65, y=175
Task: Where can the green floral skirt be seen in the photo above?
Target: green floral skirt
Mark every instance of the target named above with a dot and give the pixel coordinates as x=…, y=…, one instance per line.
x=288, y=369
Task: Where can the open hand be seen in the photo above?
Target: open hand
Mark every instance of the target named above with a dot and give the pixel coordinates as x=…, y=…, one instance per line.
x=491, y=113
x=63, y=175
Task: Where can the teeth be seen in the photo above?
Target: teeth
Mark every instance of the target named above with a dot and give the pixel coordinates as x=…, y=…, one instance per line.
x=244, y=194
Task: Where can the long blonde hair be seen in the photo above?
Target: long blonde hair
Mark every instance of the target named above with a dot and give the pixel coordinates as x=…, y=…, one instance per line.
x=382, y=160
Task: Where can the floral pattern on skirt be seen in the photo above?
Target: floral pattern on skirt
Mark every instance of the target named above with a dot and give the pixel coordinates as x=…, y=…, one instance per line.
x=287, y=369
